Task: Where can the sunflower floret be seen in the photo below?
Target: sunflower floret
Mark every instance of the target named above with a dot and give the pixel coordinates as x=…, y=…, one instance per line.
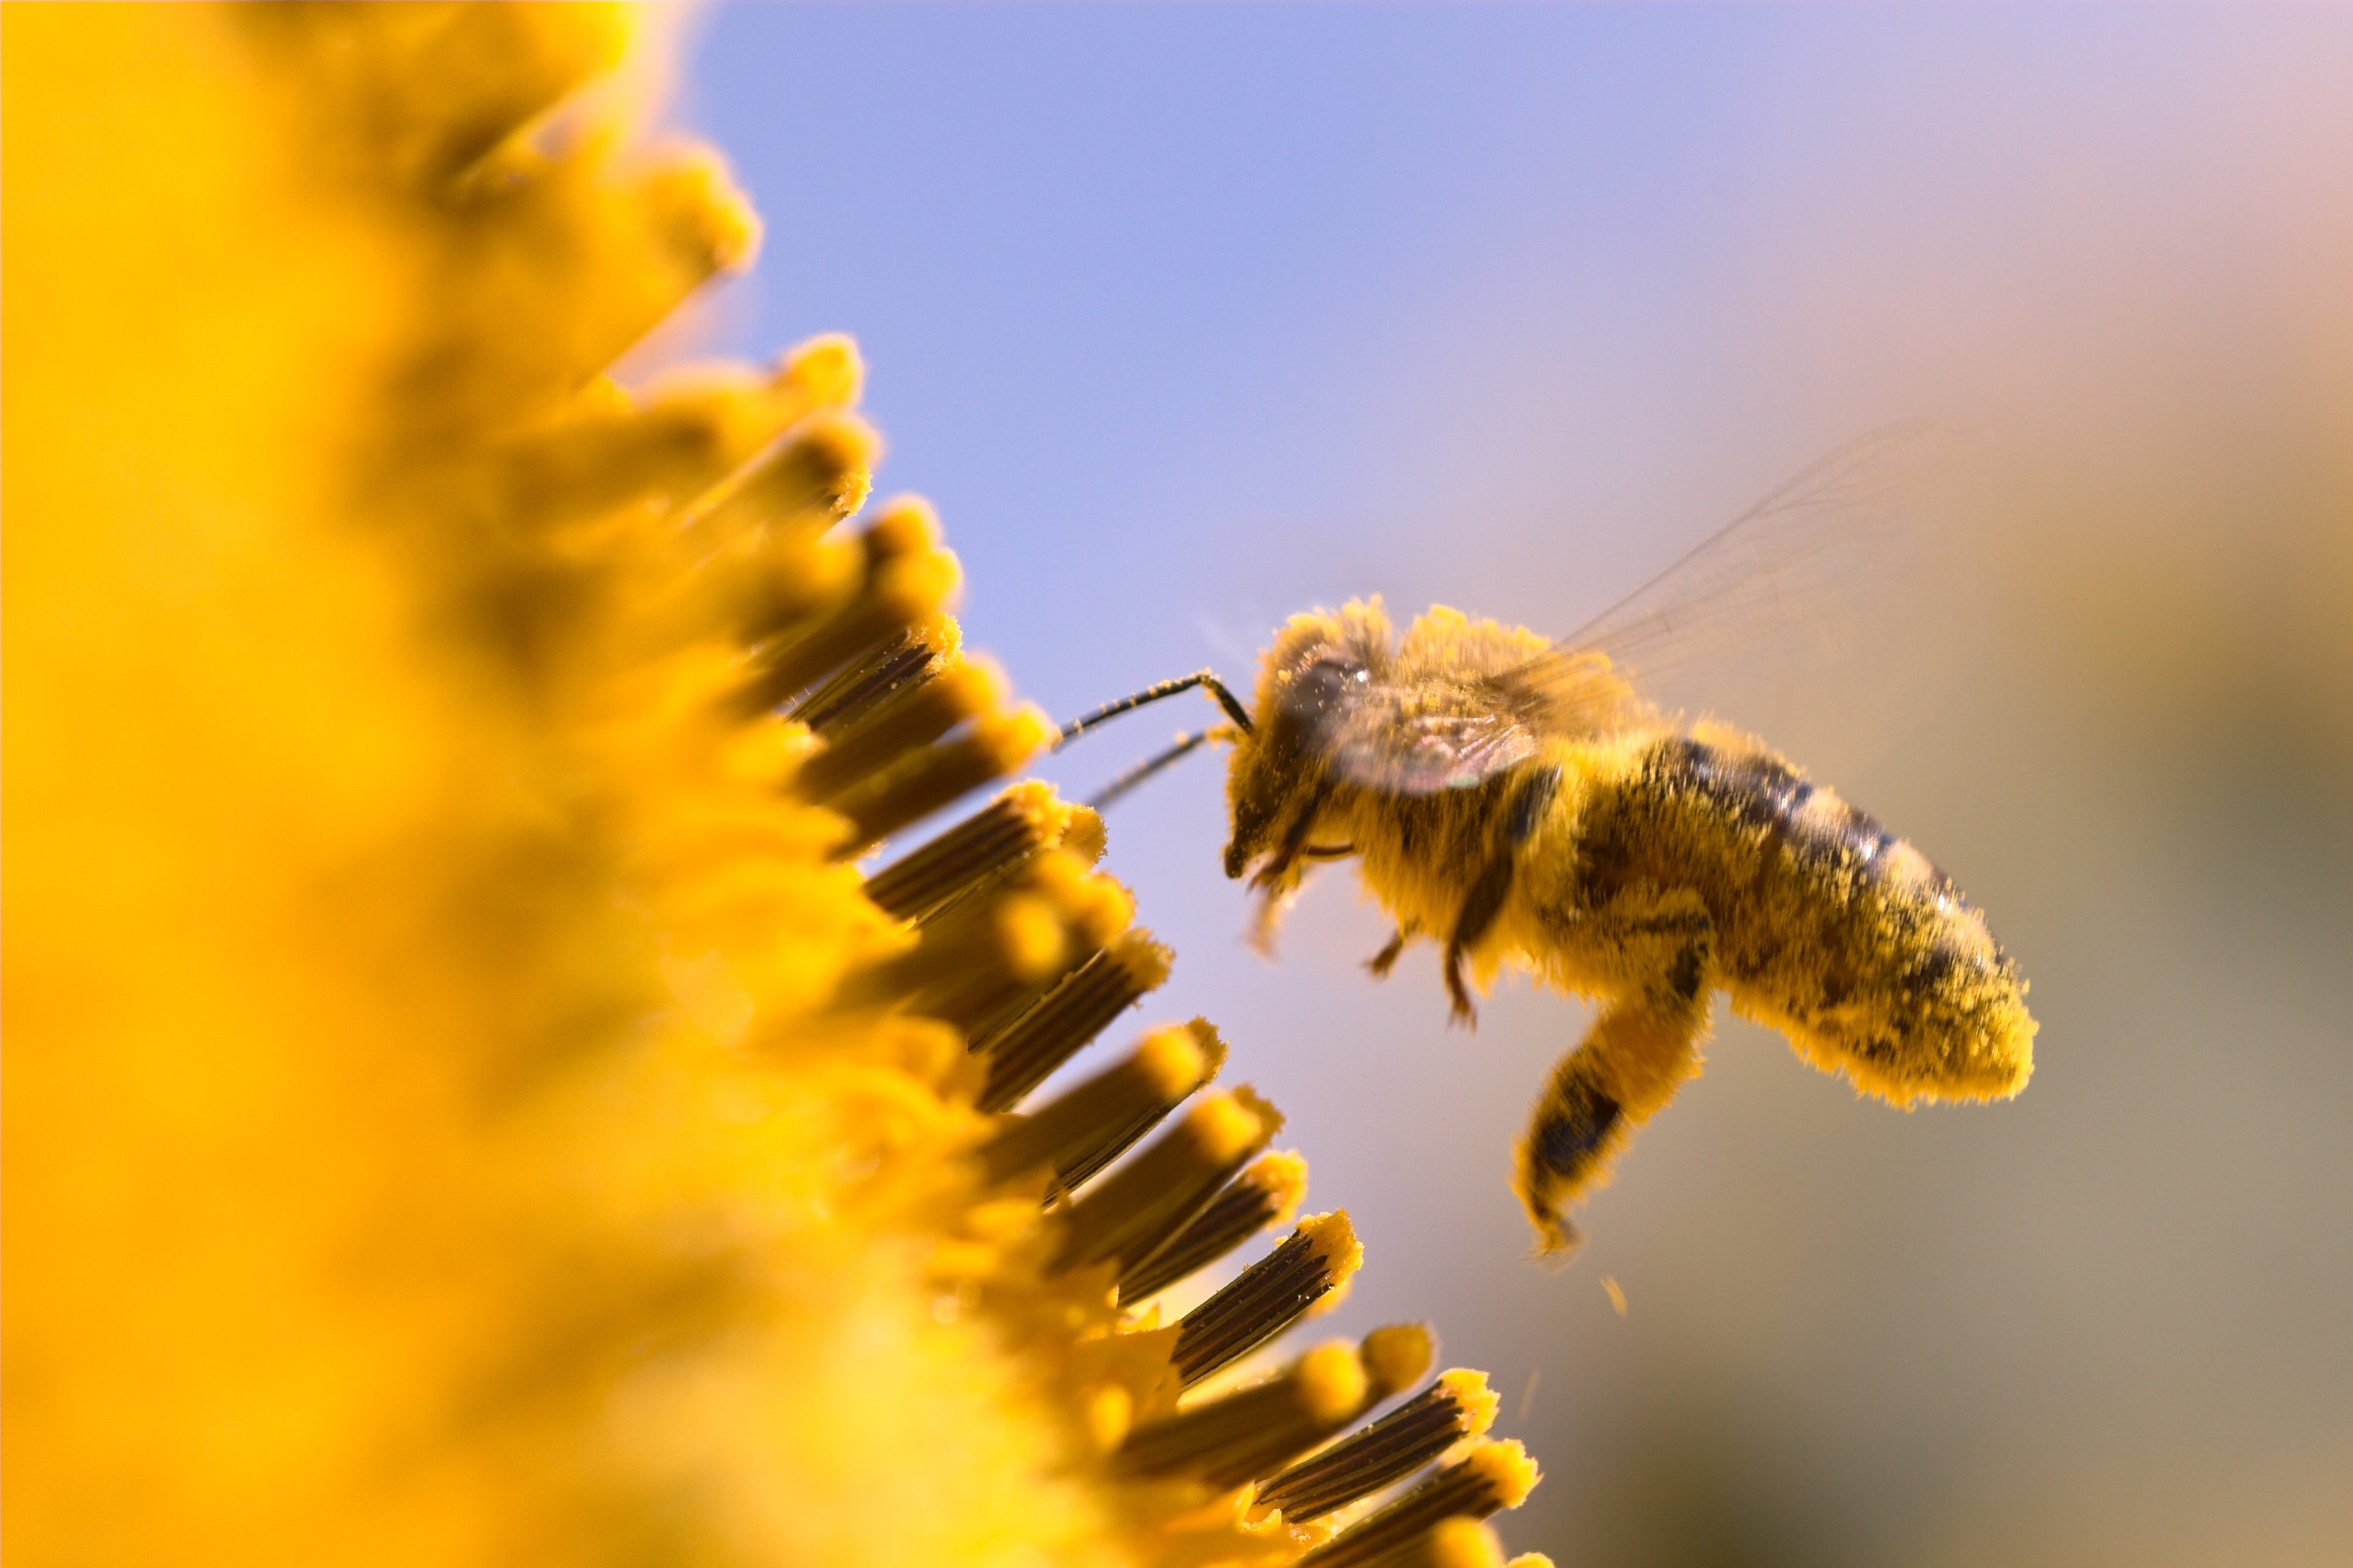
x=1458, y=1406
x=1317, y=1258
x=1095, y=1122
x=991, y=844
x=1133, y=1212
x=1489, y=1477
x=1266, y=1194
x=498, y=752
x=1024, y=1052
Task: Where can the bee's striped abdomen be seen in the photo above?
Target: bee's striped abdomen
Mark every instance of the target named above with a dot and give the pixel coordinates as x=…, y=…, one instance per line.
x=1760, y=790
x=1829, y=926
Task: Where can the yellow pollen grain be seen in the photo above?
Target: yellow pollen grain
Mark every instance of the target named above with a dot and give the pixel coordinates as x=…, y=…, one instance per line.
x=1283, y=1177
x=1031, y=944
x=826, y=370
x=1264, y=1109
x=1171, y=1061
x=1462, y=1544
x=1108, y=1413
x=1104, y=910
x=1506, y=1467
x=1333, y=1238
x=1397, y=1355
x=1144, y=962
x=903, y=526
x=1082, y=833
x=1223, y=1128
x=1331, y=1381
x=1479, y=1403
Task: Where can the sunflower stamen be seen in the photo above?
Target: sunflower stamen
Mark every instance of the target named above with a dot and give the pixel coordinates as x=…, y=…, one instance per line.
x=990, y=958
x=993, y=842
x=802, y=482
x=894, y=597
x=1096, y=910
x=1397, y=1355
x=1132, y=1213
x=1267, y=1194
x=915, y=655
x=675, y=447
x=1250, y=1432
x=987, y=952
x=939, y=775
x=1460, y=1405
x=1116, y=1135
x=1082, y=1132
x=904, y=578
x=1491, y=1478
x=1025, y=1052
x=914, y=716
x=1268, y=1297
x=1462, y=1543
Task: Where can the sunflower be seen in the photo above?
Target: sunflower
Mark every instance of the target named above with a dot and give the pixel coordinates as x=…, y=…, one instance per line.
x=502, y=1063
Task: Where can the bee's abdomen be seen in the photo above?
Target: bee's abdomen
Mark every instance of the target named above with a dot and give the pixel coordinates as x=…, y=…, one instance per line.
x=1759, y=790
x=1829, y=925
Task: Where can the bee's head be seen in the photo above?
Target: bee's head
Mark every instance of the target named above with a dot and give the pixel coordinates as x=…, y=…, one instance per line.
x=1262, y=785
x=1276, y=779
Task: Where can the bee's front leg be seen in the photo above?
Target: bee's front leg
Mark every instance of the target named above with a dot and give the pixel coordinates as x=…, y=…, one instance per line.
x=1522, y=817
x=1282, y=869
x=1381, y=962
x=1277, y=881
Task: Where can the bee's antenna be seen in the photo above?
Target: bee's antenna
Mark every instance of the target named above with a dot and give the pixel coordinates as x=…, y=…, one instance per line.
x=1205, y=678
x=1186, y=746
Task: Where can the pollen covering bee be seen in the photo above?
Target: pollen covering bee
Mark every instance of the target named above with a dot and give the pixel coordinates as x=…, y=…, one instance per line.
x=1515, y=800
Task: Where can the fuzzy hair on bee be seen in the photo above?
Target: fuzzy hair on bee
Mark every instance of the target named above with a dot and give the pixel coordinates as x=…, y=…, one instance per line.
x=1518, y=803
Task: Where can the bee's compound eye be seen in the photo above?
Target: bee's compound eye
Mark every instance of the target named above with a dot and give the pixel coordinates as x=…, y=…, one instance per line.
x=1323, y=679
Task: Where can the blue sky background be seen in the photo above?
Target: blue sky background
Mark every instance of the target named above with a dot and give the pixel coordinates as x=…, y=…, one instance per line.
x=1187, y=317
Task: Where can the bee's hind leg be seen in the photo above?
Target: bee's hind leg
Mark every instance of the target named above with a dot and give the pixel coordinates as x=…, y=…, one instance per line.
x=1638, y=1052
x=1521, y=818
x=1381, y=962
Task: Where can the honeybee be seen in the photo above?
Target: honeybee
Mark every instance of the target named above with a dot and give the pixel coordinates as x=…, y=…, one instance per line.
x=1516, y=801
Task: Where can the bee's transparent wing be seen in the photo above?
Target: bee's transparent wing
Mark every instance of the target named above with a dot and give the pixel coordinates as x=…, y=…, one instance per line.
x=1408, y=740
x=1829, y=600
x=1826, y=594
x=1430, y=751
